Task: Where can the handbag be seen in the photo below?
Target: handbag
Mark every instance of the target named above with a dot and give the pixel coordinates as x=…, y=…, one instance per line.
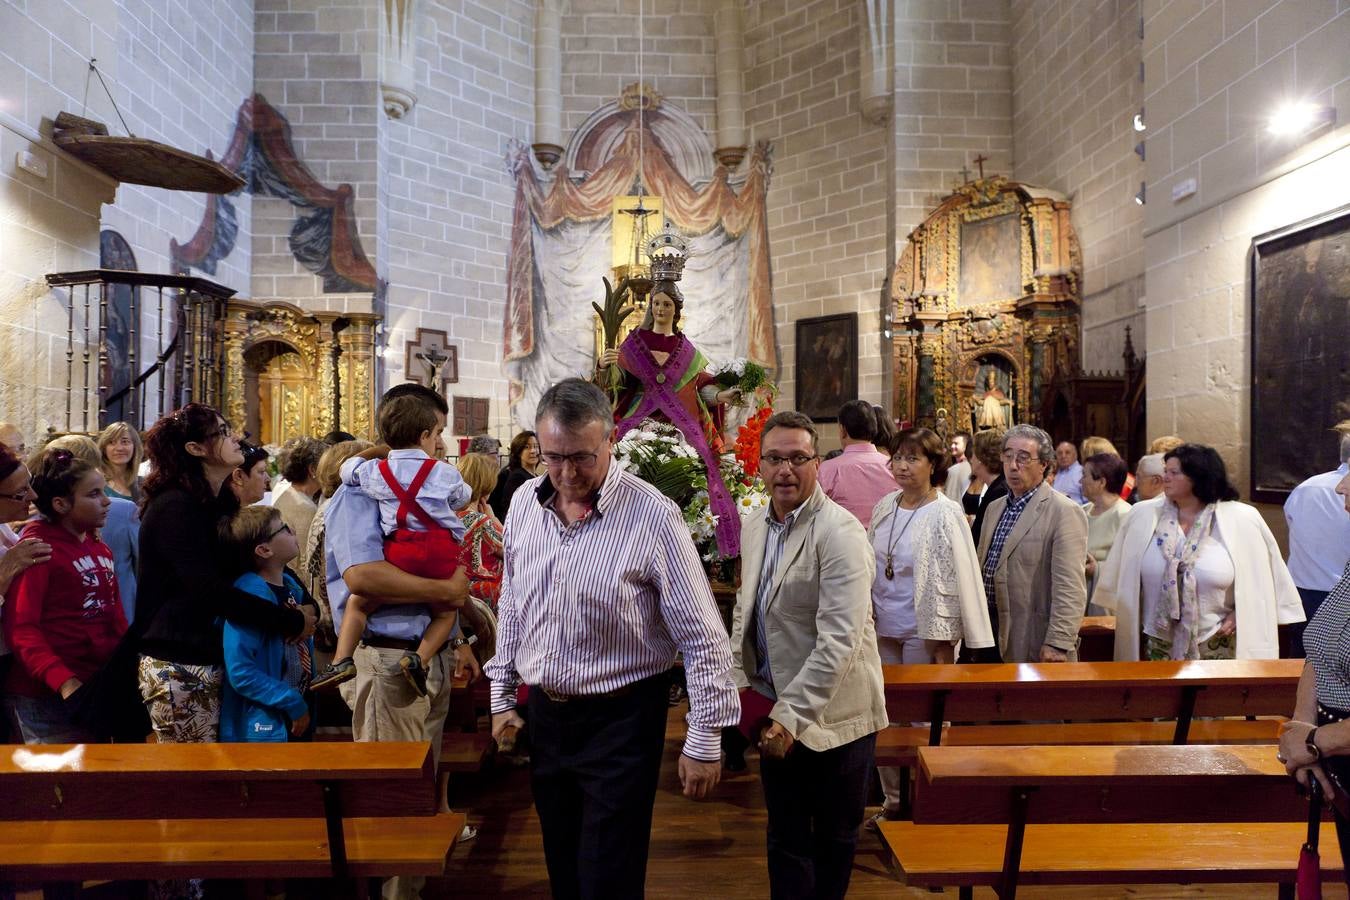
x=1309, y=879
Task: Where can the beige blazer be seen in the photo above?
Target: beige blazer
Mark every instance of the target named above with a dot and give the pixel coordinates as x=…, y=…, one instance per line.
x=1040, y=587
x=818, y=626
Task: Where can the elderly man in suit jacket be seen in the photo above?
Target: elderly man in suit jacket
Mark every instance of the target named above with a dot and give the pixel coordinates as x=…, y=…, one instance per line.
x=1032, y=549
x=802, y=634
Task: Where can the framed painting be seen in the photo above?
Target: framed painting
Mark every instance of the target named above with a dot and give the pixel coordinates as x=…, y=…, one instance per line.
x=826, y=365
x=1300, y=351
x=991, y=260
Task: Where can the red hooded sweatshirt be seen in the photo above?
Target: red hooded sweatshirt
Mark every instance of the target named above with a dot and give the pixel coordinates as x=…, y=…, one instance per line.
x=64, y=617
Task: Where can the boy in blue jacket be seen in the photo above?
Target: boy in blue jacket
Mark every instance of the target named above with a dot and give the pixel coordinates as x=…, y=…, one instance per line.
x=265, y=676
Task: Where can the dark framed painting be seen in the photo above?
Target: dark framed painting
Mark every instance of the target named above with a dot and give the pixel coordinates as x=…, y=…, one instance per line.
x=826, y=365
x=1300, y=320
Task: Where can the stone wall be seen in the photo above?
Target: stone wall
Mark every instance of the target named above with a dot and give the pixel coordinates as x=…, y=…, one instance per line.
x=446, y=195
x=1076, y=89
x=1214, y=73
x=316, y=62
x=600, y=55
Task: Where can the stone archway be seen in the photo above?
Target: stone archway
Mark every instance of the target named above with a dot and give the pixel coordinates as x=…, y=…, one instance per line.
x=280, y=392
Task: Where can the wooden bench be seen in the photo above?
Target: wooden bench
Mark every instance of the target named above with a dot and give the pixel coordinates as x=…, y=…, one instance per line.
x=313, y=810
x=1001, y=816
x=1083, y=703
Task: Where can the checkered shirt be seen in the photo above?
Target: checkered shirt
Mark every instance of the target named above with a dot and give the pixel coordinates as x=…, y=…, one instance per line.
x=1006, y=522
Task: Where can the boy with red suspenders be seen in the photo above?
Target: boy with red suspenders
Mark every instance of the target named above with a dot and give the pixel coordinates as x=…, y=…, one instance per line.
x=417, y=496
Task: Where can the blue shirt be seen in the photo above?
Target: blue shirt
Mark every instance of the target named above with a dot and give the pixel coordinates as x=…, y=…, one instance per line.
x=352, y=537
x=775, y=539
x=122, y=534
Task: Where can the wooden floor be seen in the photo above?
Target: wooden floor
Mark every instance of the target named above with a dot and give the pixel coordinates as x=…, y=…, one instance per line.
x=710, y=849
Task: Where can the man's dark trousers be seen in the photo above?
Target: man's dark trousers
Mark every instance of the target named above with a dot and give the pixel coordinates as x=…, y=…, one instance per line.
x=816, y=801
x=594, y=769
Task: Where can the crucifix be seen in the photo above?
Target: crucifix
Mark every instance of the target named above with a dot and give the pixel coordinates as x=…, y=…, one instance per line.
x=965, y=173
x=980, y=161
x=430, y=359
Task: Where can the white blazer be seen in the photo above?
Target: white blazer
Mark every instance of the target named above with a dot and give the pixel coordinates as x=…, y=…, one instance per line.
x=948, y=581
x=1264, y=595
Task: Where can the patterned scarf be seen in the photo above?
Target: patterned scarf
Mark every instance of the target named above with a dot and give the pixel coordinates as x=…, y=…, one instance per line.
x=1178, y=614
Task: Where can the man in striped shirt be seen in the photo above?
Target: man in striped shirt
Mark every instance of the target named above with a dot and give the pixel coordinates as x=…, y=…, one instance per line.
x=601, y=585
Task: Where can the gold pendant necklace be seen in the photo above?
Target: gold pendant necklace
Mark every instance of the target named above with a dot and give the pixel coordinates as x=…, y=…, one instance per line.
x=893, y=540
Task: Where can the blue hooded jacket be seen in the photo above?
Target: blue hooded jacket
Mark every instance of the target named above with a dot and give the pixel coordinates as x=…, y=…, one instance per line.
x=256, y=703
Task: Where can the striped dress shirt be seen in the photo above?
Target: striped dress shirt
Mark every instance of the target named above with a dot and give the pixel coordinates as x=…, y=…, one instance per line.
x=590, y=607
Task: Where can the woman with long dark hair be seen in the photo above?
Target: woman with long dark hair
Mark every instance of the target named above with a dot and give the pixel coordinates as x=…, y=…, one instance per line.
x=184, y=591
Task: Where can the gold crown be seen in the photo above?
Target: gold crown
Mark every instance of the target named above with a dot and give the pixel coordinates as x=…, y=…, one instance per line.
x=669, y=251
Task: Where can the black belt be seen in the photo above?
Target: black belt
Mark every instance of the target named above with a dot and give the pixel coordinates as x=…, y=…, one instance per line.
x=626, y=690
x=388, y=643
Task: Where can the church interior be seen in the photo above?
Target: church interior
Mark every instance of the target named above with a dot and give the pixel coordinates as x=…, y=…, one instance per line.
x=1065, y=195
x=1126, y=218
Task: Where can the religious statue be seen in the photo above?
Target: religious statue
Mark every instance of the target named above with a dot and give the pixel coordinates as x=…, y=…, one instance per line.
x=994, y=410
x=665, y=378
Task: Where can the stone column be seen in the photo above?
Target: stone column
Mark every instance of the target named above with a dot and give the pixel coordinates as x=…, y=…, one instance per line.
x=398, y=56
x=548, y=82
x=876, y=56
x=356, y=367
x=730, y=38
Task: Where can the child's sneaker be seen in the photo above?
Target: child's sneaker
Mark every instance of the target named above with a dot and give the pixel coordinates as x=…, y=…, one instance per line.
x=333, y=674
x=414, y=672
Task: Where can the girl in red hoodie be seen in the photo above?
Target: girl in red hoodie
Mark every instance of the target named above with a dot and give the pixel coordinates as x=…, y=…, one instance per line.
x=63, y=618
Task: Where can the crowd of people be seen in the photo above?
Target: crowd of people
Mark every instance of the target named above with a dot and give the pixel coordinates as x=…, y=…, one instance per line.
x=166, y=582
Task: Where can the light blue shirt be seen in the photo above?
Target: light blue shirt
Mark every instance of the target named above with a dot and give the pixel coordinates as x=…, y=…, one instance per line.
x=443, y=492
x=1319, y=531
x=1069, y=482
x=122, y=534
x=352, y=537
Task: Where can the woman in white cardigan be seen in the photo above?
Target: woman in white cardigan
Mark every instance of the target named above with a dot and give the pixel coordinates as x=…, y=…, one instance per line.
x=1195, y=574
x=928, y=593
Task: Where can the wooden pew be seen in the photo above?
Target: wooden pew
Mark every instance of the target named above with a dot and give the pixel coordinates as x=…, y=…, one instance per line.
x=221, y=811
x=1109, y=702
x=1001, y=816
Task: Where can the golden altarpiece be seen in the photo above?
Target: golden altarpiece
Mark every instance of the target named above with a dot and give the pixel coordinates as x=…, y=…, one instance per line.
x=291, y=372
x=986, y=300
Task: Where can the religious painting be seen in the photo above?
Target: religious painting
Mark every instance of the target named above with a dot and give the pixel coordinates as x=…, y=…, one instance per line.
x=827, y=365
x=1300, y=351
x=115, y=377
x=991, y=260
x=992, y=406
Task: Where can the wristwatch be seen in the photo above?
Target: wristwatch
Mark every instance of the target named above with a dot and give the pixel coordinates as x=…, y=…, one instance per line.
x=1311, y=741
x=456, y=643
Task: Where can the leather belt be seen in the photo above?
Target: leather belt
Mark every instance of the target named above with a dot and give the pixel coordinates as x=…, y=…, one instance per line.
x=558, y=697
x=387, y=643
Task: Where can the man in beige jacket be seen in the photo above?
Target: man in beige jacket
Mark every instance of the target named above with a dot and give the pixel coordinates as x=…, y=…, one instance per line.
x=802, y=634
x=1032, y=549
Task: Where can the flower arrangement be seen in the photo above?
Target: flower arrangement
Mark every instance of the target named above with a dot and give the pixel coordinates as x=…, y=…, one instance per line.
x=748, y=437
x=657, y=453
x=749, y=376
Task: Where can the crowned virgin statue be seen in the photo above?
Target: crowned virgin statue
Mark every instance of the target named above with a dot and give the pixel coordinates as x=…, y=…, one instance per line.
x=665, y=378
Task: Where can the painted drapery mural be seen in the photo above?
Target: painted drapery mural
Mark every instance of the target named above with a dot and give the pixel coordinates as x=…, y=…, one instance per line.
x=560, y=250
x=324, y=237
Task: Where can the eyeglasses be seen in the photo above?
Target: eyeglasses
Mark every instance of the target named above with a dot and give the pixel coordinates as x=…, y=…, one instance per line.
x=284, y=527
x=578, y=460
x=797, y=460
x=224, y=431
x=1019, y=458
x=24, y=495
